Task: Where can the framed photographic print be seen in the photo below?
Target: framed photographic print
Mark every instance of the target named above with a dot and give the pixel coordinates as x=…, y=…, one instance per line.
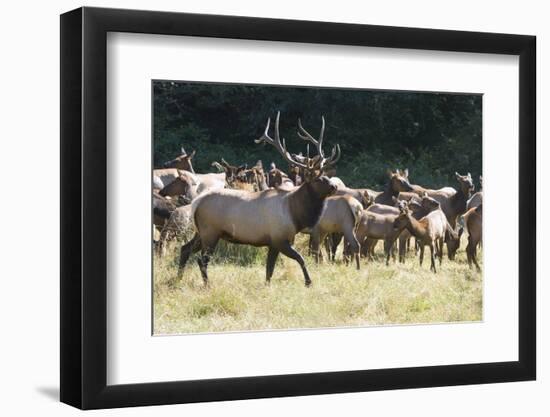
x=257, y=208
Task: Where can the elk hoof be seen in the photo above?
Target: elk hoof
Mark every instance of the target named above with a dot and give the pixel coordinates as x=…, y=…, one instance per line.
x=308, y=284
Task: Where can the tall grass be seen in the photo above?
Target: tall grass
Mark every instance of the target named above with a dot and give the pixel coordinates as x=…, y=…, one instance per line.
x=238, y=299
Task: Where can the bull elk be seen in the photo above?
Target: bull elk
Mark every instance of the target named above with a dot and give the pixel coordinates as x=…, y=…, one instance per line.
x=269, y=218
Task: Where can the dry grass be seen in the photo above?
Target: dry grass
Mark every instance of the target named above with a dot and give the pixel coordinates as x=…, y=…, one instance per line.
x=238, y=299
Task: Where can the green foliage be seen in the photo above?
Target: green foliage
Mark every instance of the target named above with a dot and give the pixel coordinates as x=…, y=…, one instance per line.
x=432, y=134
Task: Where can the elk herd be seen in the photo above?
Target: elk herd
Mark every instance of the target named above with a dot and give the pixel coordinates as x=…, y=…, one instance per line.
x=268, y=208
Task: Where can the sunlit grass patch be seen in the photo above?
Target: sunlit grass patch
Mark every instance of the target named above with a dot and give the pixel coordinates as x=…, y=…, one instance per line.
x=238, y=299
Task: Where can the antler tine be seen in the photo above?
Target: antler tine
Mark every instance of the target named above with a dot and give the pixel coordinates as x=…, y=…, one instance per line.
x=305, y=135
x=334, y=157
x=321, y=136
x=281, y=147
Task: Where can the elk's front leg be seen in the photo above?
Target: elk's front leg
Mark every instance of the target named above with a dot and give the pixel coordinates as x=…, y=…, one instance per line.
x=286, y=249
x=272, y=255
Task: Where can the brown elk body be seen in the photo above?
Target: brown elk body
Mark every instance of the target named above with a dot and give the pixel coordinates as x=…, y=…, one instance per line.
x=340, y=216
x=473, y=219
x=373, y=227
x=269, y=218
x=360, y=194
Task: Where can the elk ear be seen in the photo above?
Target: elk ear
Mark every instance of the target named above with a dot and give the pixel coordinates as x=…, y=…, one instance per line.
x=406, y=173
x=192, y=154
x=469, y=175
x=182, y=150
x=259, y=165
x=389, y=172
x=457, y=175
x=425, y=194
x=273, y=166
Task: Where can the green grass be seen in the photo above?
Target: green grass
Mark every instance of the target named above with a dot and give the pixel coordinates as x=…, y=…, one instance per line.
x=238, y=299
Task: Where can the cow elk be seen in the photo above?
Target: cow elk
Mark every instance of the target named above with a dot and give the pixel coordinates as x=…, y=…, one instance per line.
x=477, y=198
x=183, y=161
x=340, y=216
x=373, y=227
x=269, y=218
x=397, y=183
x=473, y=219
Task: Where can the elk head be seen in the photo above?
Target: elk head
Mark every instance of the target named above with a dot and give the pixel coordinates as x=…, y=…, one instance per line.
x=404, y=217
x=466, y=183
x=275, y=177
x=182, y=162
x=313, y=167
x=367, y=200
x=429, y=204
x=179, y=186
x=232, y=172
x=398, y=181
x=453, y=242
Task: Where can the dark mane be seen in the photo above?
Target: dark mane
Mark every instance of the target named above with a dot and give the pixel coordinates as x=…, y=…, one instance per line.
x=306, y=206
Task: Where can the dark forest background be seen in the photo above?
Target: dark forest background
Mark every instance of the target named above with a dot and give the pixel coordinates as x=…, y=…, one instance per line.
x=431, y=134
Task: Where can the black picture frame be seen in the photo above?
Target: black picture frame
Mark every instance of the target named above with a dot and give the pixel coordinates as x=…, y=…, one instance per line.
x=84, y=207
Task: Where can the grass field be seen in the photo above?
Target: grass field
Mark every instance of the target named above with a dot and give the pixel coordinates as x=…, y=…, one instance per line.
x=238, y=299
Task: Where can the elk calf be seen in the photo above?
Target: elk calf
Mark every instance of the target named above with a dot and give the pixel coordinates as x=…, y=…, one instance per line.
x=373, y=226
x=428, y=231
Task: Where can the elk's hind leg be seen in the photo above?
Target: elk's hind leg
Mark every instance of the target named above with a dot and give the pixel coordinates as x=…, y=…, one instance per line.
x=286, y=249
x=469, y=251
x=353, y=246
x=335, y=239
x=207, y=250
x=474, y=257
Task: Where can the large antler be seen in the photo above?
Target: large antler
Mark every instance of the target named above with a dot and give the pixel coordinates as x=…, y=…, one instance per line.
x=319, y=162
x=281, y=147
